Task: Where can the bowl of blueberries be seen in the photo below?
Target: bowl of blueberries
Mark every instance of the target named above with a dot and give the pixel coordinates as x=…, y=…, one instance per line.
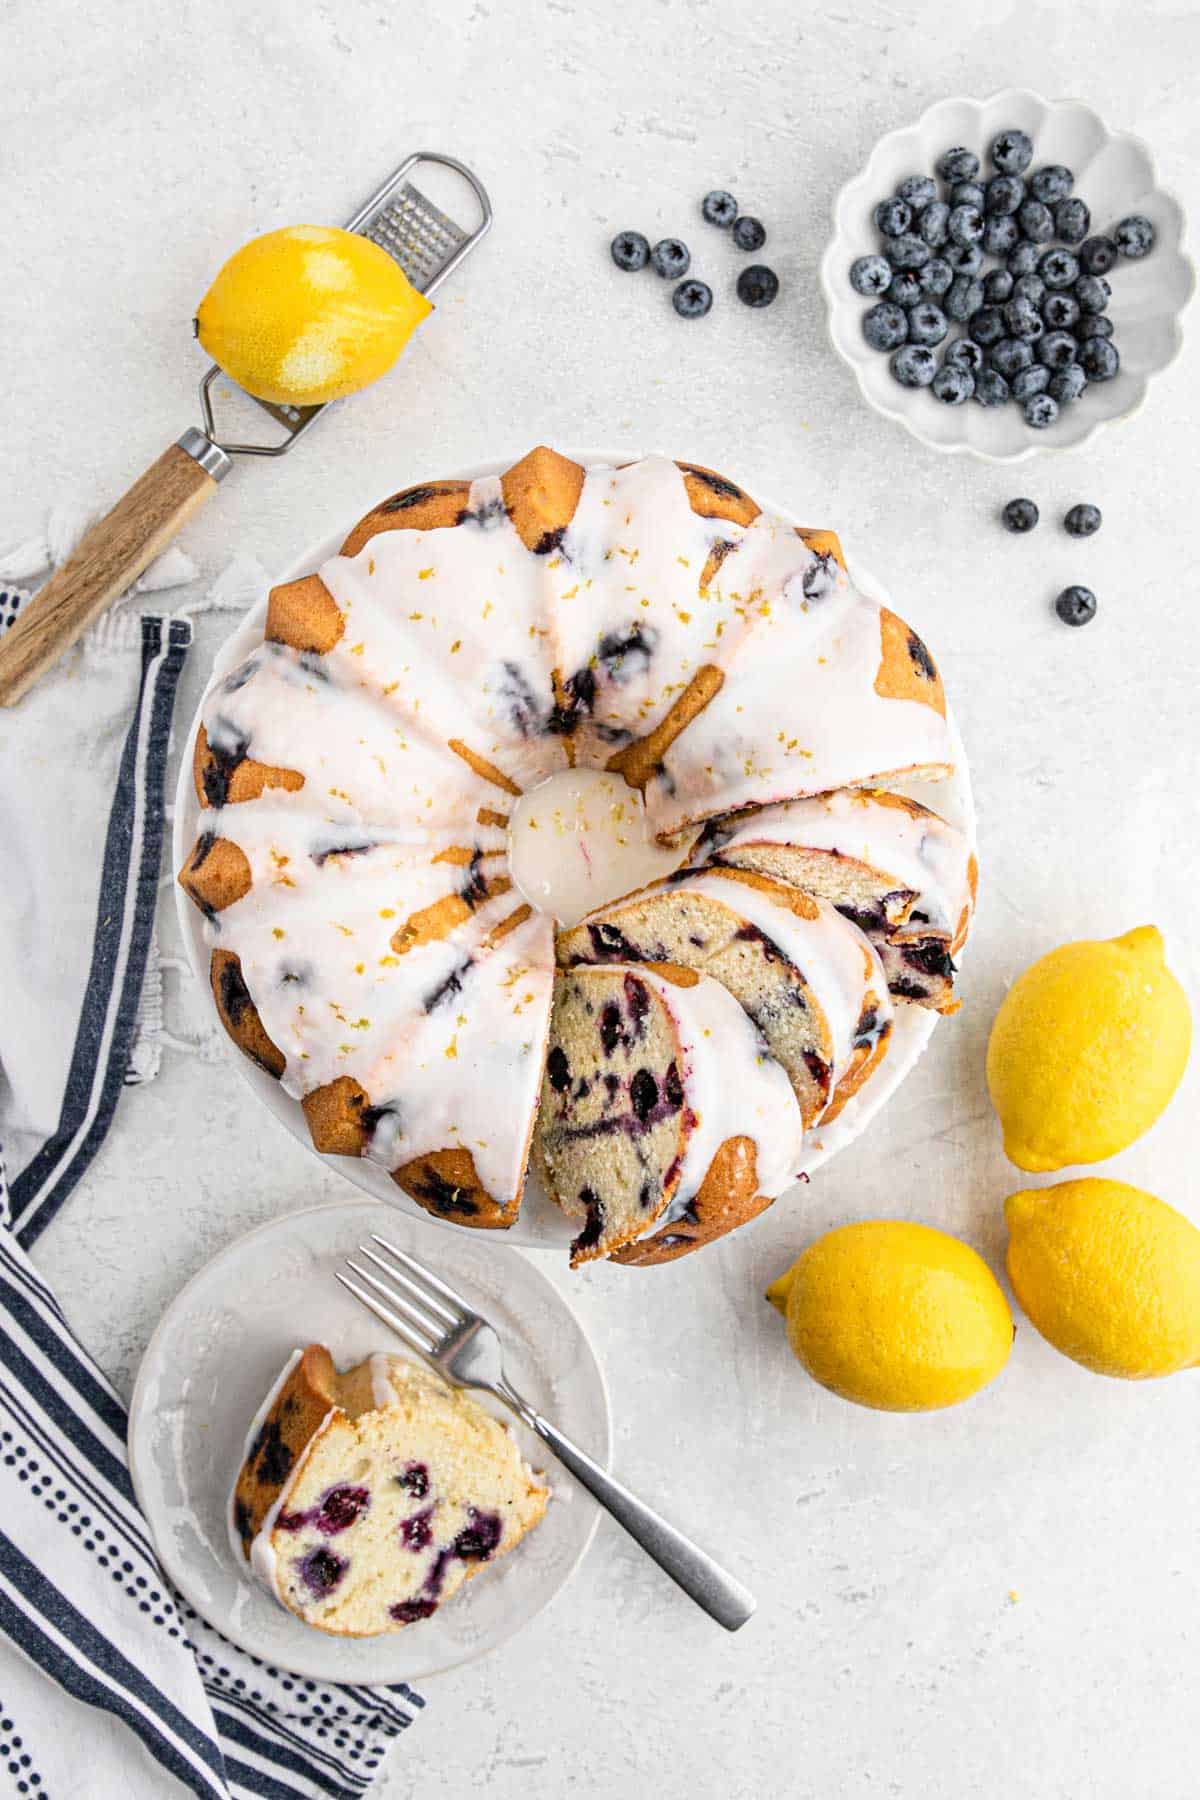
x=1006, y=275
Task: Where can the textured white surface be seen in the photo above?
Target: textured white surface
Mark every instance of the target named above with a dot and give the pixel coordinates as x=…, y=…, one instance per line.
x=888, y=1657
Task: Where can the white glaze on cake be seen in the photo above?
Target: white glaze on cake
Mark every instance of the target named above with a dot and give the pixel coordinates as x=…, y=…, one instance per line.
x=580, y=839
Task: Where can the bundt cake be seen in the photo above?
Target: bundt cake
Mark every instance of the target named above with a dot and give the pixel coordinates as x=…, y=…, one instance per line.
x=365, y=1500
x=357, y=774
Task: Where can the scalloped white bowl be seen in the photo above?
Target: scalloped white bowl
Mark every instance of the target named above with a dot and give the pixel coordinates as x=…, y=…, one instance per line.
x=1115, y=174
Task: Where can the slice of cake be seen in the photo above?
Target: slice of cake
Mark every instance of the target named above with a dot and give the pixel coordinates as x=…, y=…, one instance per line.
x=365, y=1500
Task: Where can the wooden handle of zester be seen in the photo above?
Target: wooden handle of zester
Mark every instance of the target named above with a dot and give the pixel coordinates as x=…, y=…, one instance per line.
x=111, y=555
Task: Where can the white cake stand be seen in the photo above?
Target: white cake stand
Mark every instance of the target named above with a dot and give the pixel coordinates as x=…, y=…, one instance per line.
x=541, y=1226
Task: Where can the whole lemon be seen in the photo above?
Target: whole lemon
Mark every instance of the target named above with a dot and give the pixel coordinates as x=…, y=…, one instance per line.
x=1086, y=1050
x=1108, y=1274
x=308, y=314
x=896, y=1316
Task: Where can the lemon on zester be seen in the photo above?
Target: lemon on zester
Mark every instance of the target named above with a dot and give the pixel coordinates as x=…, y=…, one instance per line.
x=307, y=314
x=1086, y=1050
x=895, y=1316
x=1108, y=1274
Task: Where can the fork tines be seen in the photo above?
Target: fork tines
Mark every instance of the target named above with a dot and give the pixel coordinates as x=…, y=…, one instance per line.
x=417, y=1305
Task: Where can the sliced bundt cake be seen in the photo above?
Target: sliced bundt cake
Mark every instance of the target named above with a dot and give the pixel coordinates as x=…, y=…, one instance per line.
x=660, y=1105
x=365, y=1500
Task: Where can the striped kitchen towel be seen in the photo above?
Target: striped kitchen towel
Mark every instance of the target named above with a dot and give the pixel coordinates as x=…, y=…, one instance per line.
x=109, y=1684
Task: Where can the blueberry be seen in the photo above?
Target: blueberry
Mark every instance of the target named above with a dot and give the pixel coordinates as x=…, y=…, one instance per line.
x=630, y=250
x=965, y=224
x=671, y=258
x=936, y=276
x=1093, y=325
x=953, y=385
x=964, y=298
x=905, y=289
x=1023, y=319
x=964, y=259
x=1036, y=221
x=893, y=217
x=884, y=326
x=917, y=190
x=934, y=224
x=749, y=233
x=987, y=326
x=968, y=193
x=719, y=208
x=1030, y=381
x=1057, y=349
x=997, y=287
x=1071, y=221
x=1134, y=236
x=1009, y=357
x=1076, y=605
x=964, y=353
x=1060, y=311
x=1098, y=255
x=1083, y=520
x=1012, y=151
x=991, y=389
x=321, y=1571
x=1024, y=259
x=1067, y=384
x=1029, y=287
x=1020, y=515
x=914, y=365
x=871, y=275
x=1040, y=411
x=908, y=251
x=340, y=1508
x=1099, y=359
x=1059, y=269
x=1052, y=183
x=758, y=285
x=927, y=324
x=1000, y=235
x=1093, y=293
x=1004, y=194
x=692, y=299
x=958, y=164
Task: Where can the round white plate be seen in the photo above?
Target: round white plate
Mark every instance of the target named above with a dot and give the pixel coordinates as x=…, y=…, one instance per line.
x=1115, y=174
x=541, y=1225
x=222, y=1343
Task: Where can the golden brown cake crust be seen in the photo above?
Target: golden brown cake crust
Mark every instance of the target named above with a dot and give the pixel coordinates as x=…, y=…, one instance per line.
x=216, y=874
x=239, y=1015
x=227, y=781
x=300, y=1408
x=714, y=496
x=906, y=669
x=338, y=1117
x=541, y=493
x=305, y=615
x=431, y=506
x=446, y=1183
x=728, y=1197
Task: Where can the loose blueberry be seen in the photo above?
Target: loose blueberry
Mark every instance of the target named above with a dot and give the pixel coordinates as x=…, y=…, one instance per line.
x=1093, y=293
x=905, y=289
x=758, y=285
x=936, y=276
x=1099, y=359
x=1067, y=384
x=1004, y=194
x=1000, y=235
x=1036, y=221
x=1071, y=220
x=965, y=224
x=1010, y=356
x=1041, y=410
x=749, y=233
x=914, y=365
x=1023, y=319
x=953, y=386
x=1052, y=183
x=1030, y=381
x=692, y=299
x=1093, y=325
x=671, y=258
x=1057, y=349
x=1024, y=259
x=1076, y=605
x=1134, y=236
x=933, y=225
x=927, y=323
x=1083, y=520
x=991, y=389
x=1020, y=515
x=719, y=208
x=1098, y=255
x=1012, y=151
x=893, y=217
x=1059, y=268
x=987, y=326
x=917, y=190
x=1029, y=287
x=968, y=193
x=884, y=326
x=958, y=164
x=964, y=298
x=908, y=251
x=630, y=250
x=997, y=287
x=1060, y=311
x=964, y=353
x=964, y=259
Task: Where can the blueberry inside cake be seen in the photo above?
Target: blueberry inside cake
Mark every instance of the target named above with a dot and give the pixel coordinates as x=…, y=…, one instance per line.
x=365, y=1500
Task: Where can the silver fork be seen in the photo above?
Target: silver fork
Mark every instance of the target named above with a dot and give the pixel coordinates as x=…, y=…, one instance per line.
x=432, y=1319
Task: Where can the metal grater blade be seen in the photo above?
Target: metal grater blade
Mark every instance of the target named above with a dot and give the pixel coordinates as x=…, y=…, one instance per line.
x=417, y=233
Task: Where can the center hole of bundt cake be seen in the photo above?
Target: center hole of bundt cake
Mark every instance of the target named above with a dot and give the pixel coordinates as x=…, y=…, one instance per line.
x=580, y=839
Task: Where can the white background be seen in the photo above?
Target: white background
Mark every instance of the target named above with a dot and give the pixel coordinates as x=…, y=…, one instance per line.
x=1002, y=1600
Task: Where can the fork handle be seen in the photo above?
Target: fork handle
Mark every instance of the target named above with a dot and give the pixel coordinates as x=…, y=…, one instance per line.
x=702, y=1579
